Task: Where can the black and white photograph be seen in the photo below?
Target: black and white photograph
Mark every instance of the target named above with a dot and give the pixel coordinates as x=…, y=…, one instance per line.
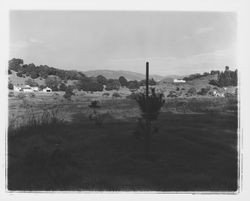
x=123, y=101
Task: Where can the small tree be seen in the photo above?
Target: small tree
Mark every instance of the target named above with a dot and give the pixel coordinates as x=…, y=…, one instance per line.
x=68, y=93
x=10, y=85
x=153, y=107
x=150, y=109
x=123, y=81
x=31, y=83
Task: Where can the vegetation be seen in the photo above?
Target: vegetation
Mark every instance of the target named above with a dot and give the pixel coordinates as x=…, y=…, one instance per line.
x=226, y=78
x=68, y=92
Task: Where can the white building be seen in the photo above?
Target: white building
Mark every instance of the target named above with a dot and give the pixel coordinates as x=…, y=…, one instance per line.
x=27, y=88
x=35, y=89
x=15, y=88
x=47, y=89
x=179, y=81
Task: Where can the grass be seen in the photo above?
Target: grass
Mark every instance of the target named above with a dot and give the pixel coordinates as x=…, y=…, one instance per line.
x=191, y=152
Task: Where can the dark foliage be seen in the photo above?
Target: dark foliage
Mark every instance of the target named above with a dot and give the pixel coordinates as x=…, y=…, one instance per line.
x=31, y=83
x=101, y=80
x=151, y=109
x=133, y=85
x=204, y=91
x=68, y=92
x=113, y=85
x=123, y=81
x=226, y=78
x=10, y=85
x=116, y=95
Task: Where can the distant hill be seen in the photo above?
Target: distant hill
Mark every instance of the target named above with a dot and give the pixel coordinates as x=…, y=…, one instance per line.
x=112, y=74
x=170, y=78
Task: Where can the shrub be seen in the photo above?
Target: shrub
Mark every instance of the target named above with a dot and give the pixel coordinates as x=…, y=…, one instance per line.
x=11, y=94
x=203, y=91
x=21, y=96
x=105, y=94
x=32, y=95
x=151, y=109
x=132, y=96
x=192, y=91
x=172, y=94
x=68, y=93
x=94, y=104
x=116, y=95
x=10, y=86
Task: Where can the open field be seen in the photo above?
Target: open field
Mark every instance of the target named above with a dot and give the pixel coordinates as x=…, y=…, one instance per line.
x=195, y=148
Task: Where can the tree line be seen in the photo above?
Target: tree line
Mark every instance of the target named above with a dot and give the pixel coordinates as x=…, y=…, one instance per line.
x=57, y=79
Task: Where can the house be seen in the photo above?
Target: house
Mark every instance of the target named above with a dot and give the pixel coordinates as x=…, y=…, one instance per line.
x=47, y=89
x=35, y=89
x=179, y=81
x=27, y=88
x=15, y=88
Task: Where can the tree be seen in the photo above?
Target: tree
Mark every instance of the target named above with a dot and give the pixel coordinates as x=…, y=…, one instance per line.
x=15, y=64
x=62, y=87
x=52, y=82
x=31, y=83
x=192, y=91
x=123, y=81
x=10, y=85
x=150, y=107
x=101, y=79
x=151, y=82
x=68, y=93
x=133, y=84
x=113, y=85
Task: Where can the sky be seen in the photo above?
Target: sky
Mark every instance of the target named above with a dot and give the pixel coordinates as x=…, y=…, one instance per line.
x=174, y=43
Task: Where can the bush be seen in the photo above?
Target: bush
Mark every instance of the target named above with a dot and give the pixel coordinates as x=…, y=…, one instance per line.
x=68, y=93
x=116, y=95
x=172, y=94
x=203, y=91
x=105, y=94
x=155, y=102
x=94, y=104
x=191, y=92
x=11, y=94
x=10, y=86
x=32, y=95
x=21, y=96
x=132, y=96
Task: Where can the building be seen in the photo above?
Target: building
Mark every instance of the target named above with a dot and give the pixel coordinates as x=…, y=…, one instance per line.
x=179, y=81
x=27, y=88
x=15, y=88
x=35, y=89
x=47, y=89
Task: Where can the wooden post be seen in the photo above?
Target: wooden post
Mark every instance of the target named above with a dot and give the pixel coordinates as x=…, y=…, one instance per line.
x=147, y=136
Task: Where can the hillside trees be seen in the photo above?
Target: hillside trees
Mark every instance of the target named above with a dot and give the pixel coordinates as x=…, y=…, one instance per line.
x=133, y=85
x=226, y=78
x=15, y=64
x=88, y=84
x=113, y=84
x=52, y=82
x=123, y=81
x=31, y=83
x=101, y=79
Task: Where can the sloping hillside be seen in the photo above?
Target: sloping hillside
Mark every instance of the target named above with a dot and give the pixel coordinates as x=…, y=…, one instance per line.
x=111, y=74
x=19, y=81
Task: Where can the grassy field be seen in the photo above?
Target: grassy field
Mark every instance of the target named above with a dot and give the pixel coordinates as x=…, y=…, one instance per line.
x=195, y=148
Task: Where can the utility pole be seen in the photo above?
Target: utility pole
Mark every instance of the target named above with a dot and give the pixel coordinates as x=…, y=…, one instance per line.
x=148, y=126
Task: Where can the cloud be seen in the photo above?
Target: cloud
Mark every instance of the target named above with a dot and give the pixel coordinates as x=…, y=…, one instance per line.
x=204, y=30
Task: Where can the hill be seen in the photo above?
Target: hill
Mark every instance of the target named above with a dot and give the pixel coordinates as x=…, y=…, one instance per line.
x=112, y=74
